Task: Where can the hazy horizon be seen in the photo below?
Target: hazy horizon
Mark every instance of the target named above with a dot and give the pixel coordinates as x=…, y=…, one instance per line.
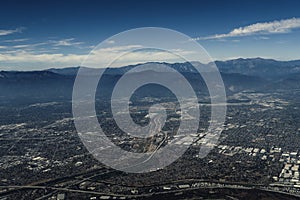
x=140, y=63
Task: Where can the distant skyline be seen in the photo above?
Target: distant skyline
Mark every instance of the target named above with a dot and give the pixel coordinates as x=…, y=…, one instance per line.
x=36, y=35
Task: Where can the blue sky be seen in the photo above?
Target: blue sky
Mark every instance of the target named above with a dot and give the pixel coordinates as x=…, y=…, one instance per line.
x=43, y=34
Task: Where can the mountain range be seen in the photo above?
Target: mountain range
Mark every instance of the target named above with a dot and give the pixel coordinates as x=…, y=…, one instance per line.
x=239, y=74
x=264, y=68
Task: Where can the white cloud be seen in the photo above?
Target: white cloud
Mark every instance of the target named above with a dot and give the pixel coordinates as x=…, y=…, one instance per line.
x=18, y=45
x=10, y=31
x=28, y=60
x=263, y=38
x=264, y=28
x=21, y=46
x=110, y=42
x=17, y=40
x=132, y=54
x=67, y=42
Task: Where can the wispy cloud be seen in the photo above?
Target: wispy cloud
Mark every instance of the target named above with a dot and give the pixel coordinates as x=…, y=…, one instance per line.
x=21, y=46
x=16, y=40
x=263, y=38
x=264, y=28
x=10, y=31
x=67, y=42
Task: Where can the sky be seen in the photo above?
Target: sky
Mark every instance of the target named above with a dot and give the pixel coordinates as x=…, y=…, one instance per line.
x=36, y=35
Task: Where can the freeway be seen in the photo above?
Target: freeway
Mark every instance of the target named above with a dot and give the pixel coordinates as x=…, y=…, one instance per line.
x=204, y=185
